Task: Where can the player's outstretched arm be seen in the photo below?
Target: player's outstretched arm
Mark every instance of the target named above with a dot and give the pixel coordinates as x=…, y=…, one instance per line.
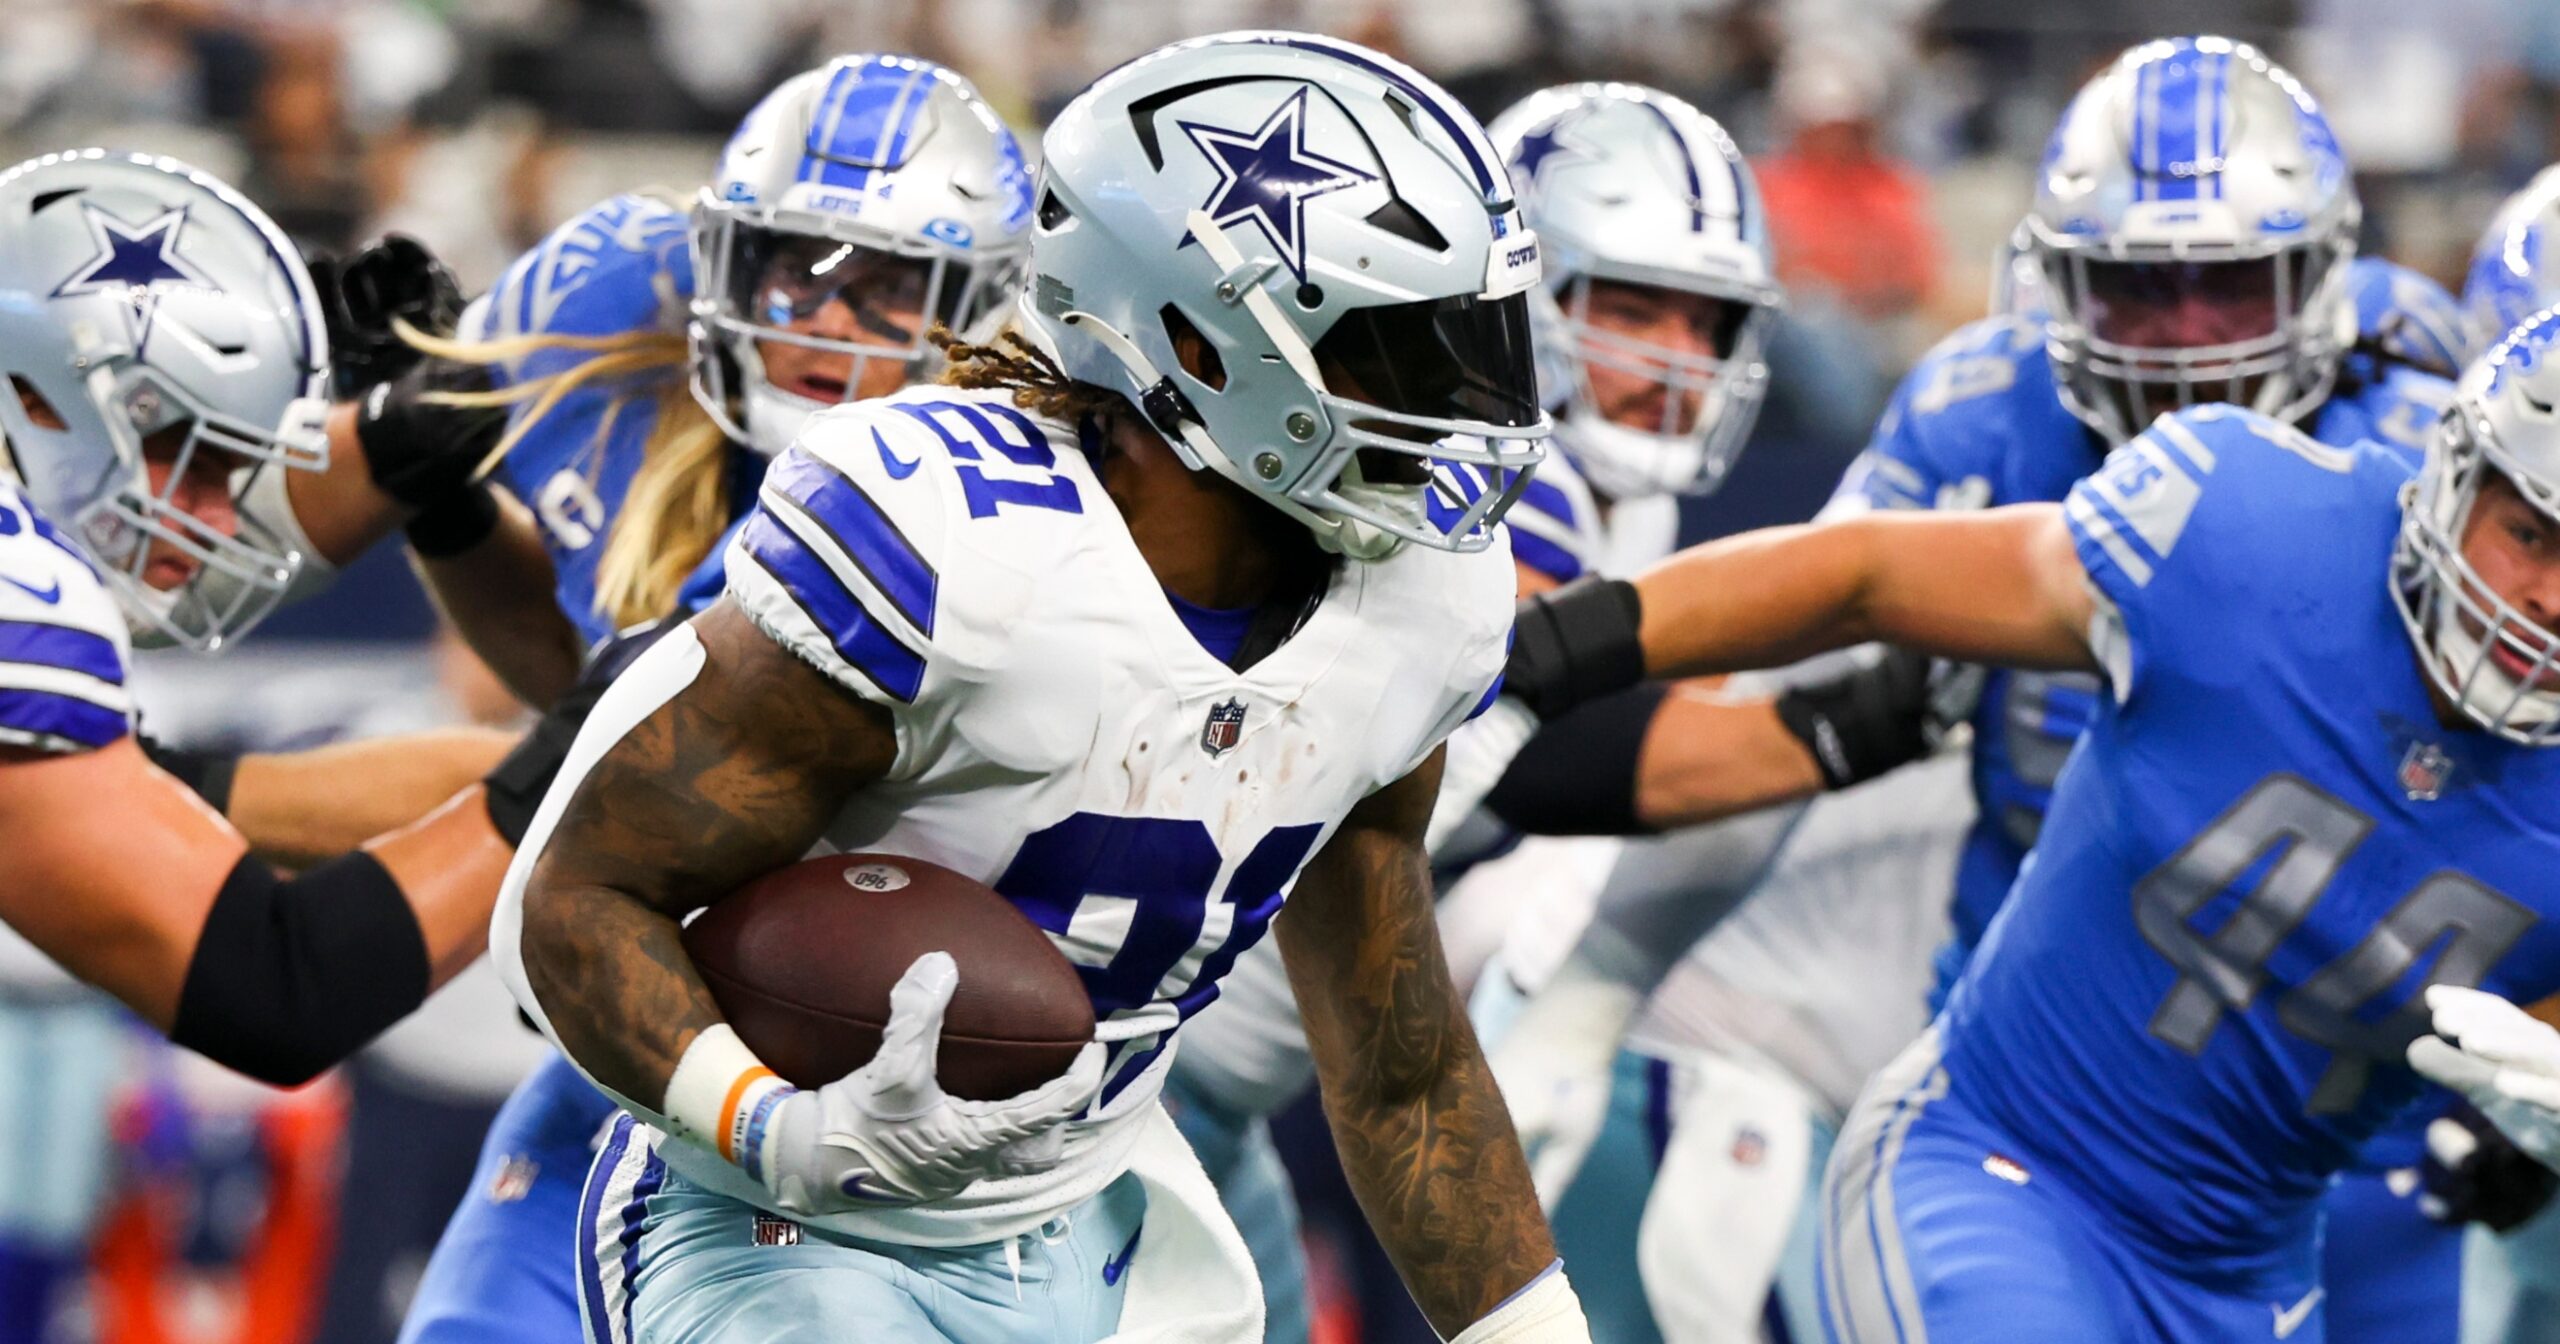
x=1995, y=586
x=303, y=807
x=734, y=773
x=135, y=885
x=1421, y=1129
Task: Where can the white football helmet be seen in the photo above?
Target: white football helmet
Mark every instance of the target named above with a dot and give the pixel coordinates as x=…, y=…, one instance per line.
x=143, y=300
x=1632, y=187
x=2193, y=189
x=1340, y=237
x=2497, y=663
x=2511, y=276
x=868, y=162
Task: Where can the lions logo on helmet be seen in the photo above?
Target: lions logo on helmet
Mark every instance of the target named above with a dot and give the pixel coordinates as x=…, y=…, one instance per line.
x=2510, y=279
x=1336, y=240
x=883, y=181
x=147, y=309
x=2494, y=661
x=2194, y=221
x=1643, y=199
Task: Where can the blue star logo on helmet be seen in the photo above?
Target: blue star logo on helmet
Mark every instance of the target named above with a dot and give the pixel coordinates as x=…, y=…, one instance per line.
x=1540, y=147
x=133, y=258
x=1267, y=175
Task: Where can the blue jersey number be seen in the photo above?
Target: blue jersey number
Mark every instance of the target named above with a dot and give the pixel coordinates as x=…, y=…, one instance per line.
x=2295, y=837
x=1144, y=890
x=1024, y=446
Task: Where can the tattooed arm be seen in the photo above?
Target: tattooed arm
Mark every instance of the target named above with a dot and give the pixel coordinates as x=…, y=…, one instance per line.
x=1422, y=1132
x=733, y=776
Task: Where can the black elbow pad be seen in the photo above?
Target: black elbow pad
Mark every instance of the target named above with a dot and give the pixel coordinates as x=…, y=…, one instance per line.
x=1865, y=721
x=290, y=978
x=1575, y=643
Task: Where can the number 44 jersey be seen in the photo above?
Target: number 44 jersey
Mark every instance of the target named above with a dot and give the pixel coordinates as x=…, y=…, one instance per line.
x=1064, y=738
x=2193, y=1009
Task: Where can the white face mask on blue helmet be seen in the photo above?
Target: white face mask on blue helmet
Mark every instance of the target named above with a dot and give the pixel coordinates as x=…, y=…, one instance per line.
x=1342, y=241
x=2492, y=660
x=139, y=298
x=1635, y=188
x=2194, y=172
x=873, y=174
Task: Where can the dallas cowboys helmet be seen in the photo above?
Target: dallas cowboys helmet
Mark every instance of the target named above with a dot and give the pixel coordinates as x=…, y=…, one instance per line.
x=2194, y=177
x=1341, y=239
x=1629, y=186
x=2510, y=277
x=139, y=296
x=869, y=161
x=2498, y=664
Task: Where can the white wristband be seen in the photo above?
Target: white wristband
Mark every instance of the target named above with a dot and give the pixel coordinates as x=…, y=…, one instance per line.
x=1543, y=1312
x=722, y=1095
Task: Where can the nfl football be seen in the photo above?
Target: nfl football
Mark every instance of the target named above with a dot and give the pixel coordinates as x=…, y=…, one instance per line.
x=802, y=959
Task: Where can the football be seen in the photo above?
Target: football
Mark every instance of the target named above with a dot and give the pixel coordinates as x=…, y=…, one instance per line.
x=802, y=960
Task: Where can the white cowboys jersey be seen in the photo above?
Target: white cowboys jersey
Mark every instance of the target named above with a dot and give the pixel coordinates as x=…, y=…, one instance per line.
x=64, y=649
x=64, y=654
x=1064, y=738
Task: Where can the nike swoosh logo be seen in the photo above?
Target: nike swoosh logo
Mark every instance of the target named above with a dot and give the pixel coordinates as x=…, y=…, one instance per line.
x=898, y=470
x=1115, y=1266
x=2290, y=1320
x=854, y=1187
x=48, y=596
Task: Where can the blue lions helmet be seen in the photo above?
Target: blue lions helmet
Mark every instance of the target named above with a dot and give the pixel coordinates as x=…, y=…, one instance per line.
x=2494, y=661
x=2194, y=222
x=1337, y=234
x=868, y=175
x=2511, y=278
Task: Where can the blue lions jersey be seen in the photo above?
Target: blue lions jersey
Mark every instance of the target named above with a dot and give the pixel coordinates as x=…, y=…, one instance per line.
x=1978, y=424
x=622, y=266
x=2265, y=847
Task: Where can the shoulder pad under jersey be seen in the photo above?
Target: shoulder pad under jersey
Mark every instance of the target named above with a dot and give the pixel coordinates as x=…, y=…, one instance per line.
x=620, y=266
x=63, y=646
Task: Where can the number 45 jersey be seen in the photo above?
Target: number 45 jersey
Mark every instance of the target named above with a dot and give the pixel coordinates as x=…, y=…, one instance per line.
x=2192, y=1010
x=1064, y=738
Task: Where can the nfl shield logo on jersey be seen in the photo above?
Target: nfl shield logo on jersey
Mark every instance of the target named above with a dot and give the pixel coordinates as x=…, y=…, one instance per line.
x=2423, y=771
x=1226, y=724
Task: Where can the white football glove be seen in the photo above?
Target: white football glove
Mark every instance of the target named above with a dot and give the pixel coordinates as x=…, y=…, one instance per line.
x=1554, y=1067
x=2502, y=1059
x=1479, y=752
x=887, y=1135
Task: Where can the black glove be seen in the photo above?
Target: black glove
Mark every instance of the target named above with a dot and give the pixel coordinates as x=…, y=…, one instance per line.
x=394, y=276
x=1865, y=721
x=516, y=785
x=2475, y=1174
x=1575, y=643
x=423, y=453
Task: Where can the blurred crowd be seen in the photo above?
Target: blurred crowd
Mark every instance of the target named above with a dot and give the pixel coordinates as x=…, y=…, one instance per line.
x=1894, y=140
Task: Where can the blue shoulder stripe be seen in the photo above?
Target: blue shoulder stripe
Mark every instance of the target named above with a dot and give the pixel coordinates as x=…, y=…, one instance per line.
x=859, y=527
x=64, y=716
x=839, y=615
x=1548, y=498
x=1544, y=556
x=61, y=646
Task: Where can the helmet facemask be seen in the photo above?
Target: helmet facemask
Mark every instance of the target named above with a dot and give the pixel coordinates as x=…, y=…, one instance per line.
x=1709, y=401
x=760, y=272
x=239, y=574
x=2499, y=667
x=2137, y=332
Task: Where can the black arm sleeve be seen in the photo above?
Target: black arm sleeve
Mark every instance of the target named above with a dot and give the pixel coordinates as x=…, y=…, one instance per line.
x=1577, y=774
x=1575, y=643
x=290, y=977
x=207, y=773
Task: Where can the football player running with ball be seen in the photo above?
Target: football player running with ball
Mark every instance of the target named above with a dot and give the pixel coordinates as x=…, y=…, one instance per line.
x=1239, y=466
